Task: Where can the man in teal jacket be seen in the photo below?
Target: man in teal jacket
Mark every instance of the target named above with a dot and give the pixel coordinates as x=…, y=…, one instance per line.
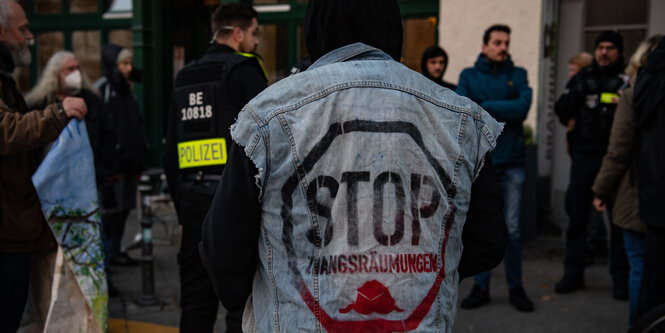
x=502, y=90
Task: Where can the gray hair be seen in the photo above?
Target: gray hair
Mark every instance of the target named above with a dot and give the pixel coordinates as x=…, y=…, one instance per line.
x=48, y=86
x=5, y=12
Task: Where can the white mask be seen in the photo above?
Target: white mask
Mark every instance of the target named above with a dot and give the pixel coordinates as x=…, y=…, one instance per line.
x=72, y=84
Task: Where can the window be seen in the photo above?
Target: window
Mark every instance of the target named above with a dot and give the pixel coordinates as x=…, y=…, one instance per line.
x=50, y=21
x=87, y=49
x=630, y=18
x=283, y=42
x=419, y=34
x=273, y=49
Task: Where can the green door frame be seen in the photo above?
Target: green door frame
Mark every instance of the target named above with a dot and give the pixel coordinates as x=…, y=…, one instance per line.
x=146, y=18
x=149, y=55
x=67, y=23
x=296, y=15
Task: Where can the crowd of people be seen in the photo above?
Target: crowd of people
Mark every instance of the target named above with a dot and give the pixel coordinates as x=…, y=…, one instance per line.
x=356, y=193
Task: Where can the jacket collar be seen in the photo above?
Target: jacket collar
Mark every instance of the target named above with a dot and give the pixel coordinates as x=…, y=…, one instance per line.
x=485, y=65
x=220, y=48
x=349, y=52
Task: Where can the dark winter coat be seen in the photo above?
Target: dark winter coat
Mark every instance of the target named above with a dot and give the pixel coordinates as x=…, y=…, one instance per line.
x=613, y=179
x=23, y=134
x=650, y=114
x=129, y=154
x=583, y=100
x=129, y=145
x=502, y=90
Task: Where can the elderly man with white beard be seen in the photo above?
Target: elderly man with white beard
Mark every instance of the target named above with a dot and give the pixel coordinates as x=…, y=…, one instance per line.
x=23, y=133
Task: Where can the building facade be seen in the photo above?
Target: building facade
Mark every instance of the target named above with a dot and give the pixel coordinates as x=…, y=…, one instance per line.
x=167, y=34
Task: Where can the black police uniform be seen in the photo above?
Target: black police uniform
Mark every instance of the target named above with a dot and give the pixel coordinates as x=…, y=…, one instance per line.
x=588, y=99
x=208, y=95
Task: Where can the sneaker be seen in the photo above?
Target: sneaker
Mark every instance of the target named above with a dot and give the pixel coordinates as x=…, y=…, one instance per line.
x=477, y=298
x=568, y=285
x=519, y=300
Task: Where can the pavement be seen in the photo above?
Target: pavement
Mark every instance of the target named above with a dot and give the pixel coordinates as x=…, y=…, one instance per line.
x=590, y=310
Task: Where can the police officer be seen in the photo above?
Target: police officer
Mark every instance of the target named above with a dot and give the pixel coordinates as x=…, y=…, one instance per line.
x=209, y=93
x=589, y=103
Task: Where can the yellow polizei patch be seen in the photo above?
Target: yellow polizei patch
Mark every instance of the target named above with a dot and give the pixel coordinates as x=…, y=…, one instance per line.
x=201, y=153
x=608, y=98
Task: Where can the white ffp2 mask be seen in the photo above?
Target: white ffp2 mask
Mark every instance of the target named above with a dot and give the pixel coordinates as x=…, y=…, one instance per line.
x=73, y=81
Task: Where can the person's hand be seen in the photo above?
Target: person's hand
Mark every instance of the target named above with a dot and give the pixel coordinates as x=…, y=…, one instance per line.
x=570, y=125
x=599, y=204
x=74, y=107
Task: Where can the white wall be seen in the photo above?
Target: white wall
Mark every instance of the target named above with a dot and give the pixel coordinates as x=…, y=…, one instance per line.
x=656, y=21
x=570, y=42
x=461, y=27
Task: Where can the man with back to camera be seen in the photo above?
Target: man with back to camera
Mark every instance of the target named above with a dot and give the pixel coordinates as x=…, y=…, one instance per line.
x=208, y=95
x=23, y=133
x=591, y=98
x=433, y=65
x=502, y=89
x=344, y=200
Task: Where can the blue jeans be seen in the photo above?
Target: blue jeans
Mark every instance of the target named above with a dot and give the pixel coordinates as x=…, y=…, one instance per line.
x=512, y=184
x=634, y=243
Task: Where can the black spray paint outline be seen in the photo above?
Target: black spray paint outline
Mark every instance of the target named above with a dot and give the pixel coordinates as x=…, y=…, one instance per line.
x=302, y=169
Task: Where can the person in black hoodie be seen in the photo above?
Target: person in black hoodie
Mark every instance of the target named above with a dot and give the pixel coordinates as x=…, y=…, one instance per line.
x=118, y=190
x=434, y=64
x=230, y=242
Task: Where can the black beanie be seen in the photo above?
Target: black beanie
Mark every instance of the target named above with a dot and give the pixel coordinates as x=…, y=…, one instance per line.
x=330, y=24
x=612, y=37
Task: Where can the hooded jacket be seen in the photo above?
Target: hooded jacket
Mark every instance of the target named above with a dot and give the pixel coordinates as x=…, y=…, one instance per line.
x=22, y=135
x=130, y=148
x=502, y=90
x=431, y=52
x=613, y=181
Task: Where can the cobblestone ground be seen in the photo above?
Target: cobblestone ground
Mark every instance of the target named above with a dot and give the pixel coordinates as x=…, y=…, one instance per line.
x=590, y=310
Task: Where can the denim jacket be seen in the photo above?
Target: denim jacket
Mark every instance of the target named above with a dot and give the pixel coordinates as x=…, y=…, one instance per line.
x=365, y=169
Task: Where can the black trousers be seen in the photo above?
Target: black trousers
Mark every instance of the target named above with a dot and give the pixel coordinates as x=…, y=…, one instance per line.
x=579, y=198
x=652, y=291
x=14, y=278
x=198, y=300
x=114, y=228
